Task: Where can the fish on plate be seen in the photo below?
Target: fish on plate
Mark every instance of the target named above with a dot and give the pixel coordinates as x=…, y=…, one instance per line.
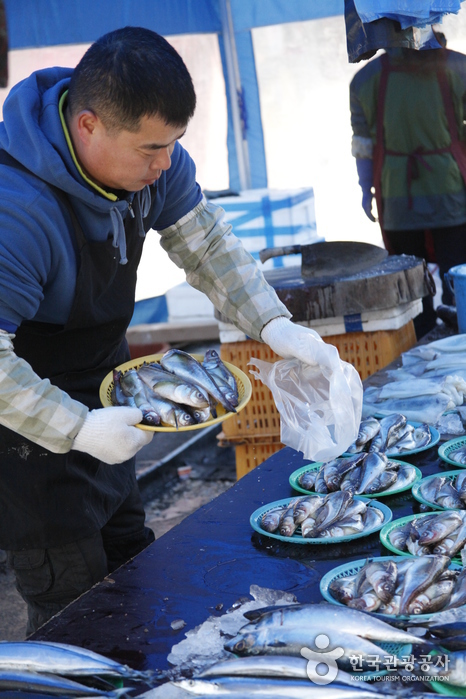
x=439, y=533
x=179, y=391
x=391, y=433
x=409, y=586
x=359, y=474
x=322, y=516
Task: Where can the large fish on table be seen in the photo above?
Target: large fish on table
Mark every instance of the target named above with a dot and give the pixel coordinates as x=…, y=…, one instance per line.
x=62, y=658
x=323, y=617
x=187, y=367
x=273, y=688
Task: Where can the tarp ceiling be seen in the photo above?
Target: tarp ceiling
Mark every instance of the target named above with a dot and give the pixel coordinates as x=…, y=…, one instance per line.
x=36, y=23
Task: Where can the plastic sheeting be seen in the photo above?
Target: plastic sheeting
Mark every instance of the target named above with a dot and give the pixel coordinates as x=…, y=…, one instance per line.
x=364, y=40
x=415, y=13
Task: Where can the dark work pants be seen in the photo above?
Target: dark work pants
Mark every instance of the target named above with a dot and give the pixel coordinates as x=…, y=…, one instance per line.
x=449, y=248
x=49, y=579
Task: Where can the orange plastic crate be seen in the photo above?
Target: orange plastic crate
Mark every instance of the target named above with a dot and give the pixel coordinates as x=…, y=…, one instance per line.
x=369, y=352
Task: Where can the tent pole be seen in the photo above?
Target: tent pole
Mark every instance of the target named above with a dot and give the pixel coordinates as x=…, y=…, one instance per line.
x=235, y=90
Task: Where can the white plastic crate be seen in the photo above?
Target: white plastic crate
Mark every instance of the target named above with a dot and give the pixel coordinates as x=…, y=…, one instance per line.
x=367, y=321
x=268, y=218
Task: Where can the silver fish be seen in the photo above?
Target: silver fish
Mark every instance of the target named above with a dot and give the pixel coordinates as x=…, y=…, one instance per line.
x=351, y=481
x=335, y=470
x=308, y=528
x=170, y=386
x=271, y=688
x=434, y=528
x=271, y=519
x=432, y=599
x=307, y=507
x=307, y=480
x=36, y=683
x=221, y=375
x=460, y=485
x=170, y=413
x=132, y=385
x=187, y=367
x=423, y=572
x=458, y=597
x=118, y=397
x=373, y=517
x=344, y=589
x=345, y=527
x=390, y=427
x=368, y=428
x=448, y=497
x=374, y=464
x=453, y=674
x=459, y=455
x=404, y=477
x=333, y=508
x=325, y=617
x=422, y=435
x=400, y=535
x=62, y=658
x=320, y=485
x=430, y=487
x=369, y=601
x=200, y=414
x=287, y=526
x=383, y=576
x=267, y=666
x=382, y=482
x=285, y=640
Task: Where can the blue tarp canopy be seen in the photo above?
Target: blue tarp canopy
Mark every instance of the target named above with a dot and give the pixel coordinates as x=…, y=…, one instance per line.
x=37, y=23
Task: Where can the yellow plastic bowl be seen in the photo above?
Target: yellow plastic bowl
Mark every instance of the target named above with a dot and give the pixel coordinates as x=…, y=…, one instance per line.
x=242, y=381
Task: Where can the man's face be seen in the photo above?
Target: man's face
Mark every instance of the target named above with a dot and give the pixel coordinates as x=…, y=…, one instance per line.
x=130, y=160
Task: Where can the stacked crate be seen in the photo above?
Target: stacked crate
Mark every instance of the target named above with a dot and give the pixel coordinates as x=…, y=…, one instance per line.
x=255, y=431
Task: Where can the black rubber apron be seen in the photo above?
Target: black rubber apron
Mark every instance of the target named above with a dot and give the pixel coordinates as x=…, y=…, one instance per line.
x=49, y=499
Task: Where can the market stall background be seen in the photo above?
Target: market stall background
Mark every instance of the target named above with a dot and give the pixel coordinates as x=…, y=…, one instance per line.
x=300, y=76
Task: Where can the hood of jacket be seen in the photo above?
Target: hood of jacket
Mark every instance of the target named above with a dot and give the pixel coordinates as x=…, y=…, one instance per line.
x=32, y=134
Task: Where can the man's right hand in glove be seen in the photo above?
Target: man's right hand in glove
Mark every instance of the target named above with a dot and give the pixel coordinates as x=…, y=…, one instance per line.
x=110, y=435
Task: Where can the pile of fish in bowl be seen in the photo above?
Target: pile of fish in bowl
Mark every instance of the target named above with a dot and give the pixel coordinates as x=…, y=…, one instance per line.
x=177, y=391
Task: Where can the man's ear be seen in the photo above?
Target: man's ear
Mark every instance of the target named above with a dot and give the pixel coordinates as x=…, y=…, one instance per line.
x=86, y=124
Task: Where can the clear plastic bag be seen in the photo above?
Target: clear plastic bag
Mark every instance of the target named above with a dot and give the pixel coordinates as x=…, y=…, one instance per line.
x=320, y=406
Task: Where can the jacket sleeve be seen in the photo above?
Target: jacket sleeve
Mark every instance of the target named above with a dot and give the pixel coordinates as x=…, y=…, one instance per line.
x=216, y=263
x=32, y=406
x=361, y=143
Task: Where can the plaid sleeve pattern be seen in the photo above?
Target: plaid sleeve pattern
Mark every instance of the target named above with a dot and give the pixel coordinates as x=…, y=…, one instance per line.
x=216, y=263
x=32, y=406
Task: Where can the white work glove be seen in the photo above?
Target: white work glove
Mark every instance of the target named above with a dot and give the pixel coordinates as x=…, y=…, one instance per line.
x=109, y=434
x=290, y=340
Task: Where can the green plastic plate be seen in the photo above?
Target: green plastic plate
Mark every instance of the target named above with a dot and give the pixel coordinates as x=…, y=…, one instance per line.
x=450, y=690
x=388, y=528
x=294, y=479
x=435, y=434
x=449, y=447
x=256, y=518
x=347, y=569
x=451, y=475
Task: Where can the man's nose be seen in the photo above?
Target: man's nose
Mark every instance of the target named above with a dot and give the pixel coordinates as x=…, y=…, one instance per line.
x=162, y=160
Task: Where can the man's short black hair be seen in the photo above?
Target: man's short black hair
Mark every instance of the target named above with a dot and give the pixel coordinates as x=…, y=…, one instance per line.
x=131, y=73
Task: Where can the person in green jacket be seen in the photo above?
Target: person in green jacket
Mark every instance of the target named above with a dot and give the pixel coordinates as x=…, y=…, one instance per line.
x=407, y=115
